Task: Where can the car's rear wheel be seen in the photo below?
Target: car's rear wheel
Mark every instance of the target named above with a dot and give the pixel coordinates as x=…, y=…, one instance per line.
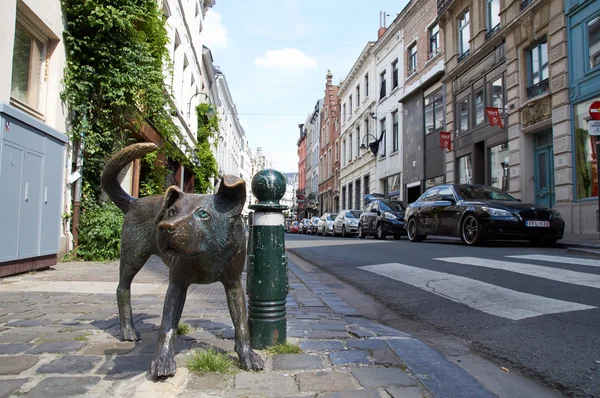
x=361, y=233
x=471, y=231
x=413, y=231
x=380, y=233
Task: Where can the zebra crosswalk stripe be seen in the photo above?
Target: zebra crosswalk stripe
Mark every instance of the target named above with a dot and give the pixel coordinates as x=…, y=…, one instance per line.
x=555, y=274
x=482, y=296
x=559, y=259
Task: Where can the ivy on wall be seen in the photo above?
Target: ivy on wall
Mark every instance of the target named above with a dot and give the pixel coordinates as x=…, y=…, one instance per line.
x=117, y=58
x=207, y=139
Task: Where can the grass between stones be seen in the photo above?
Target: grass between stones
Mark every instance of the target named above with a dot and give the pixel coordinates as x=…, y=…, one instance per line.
x=210, y=361
x=183, y=328
x=285, y=348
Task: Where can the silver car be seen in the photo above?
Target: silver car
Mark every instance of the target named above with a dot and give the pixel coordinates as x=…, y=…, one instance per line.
x=325, y=225
x=346, y=223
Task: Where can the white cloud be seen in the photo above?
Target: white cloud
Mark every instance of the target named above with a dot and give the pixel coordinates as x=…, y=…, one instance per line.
x=285, y=162
x=286, y=59
x=214, y=34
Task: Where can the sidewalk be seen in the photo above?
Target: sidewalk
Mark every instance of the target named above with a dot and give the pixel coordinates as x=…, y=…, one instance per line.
x=59, y=338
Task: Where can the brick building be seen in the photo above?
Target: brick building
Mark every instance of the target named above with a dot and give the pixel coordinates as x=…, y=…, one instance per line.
x=300, y=193
x=329, y=159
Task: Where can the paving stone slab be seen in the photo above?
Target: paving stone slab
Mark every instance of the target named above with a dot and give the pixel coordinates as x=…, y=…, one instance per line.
x=349, y=356
x=70, y=364
x=124, y=367
x=11, y=349
x=369, y=344
x=8, y=387
x=16, y=364
x=198, y=335
x=405, y=392
x=322, y=381
x=109, y=348
x=386, y=357
x=58, y=347
x=269, y=384
x=324, y=345
x=358, y=332
x=296, y=361
x=383, y=377
x=333, y=326
x=297, y=333
x=208, y=382
x=60, y=387
x=326, y=334
x=29, y=322
x=353, y=394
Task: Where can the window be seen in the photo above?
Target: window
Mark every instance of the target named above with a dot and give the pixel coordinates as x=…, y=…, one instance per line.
x=177, y=42
x=350, y=106
x=499, y=166
x=434, y=37
x=367, y=129
x=366, y=188
x=382, y=88
x=585, y=152
x=497, y=93
x=367, y=85
x=344, y=197
x=357, y=140
x=593, y=27
x=434, y=112
x=412, y=58
x=537, y=58
x=350, y=187
x=358, y=96
x=344, y=153
x=395, y=132
x=29, y=54
x=384, y=139
x=479, y=105
x=395, y=74
x=465, y=169
x=463, y=114
x=330, y=164
x=350, y=142
x=493, y=15
x=464, y=35
x=344, y=111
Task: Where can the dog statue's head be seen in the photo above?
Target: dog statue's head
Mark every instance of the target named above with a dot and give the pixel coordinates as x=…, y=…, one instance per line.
x=191, y=225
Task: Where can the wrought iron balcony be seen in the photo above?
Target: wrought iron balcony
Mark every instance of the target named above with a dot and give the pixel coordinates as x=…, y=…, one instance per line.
x=464, y=55
x=525, y=4
x=442, y=5
x=492, y=32
x=538, y=89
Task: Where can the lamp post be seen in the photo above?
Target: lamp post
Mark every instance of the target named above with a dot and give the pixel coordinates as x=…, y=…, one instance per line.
x=210, y=111
x=373, y=146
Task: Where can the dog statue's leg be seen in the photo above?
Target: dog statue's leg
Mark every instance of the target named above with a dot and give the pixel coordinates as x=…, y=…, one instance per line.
x=163, y=364
x=128, y=269
x=237, y=308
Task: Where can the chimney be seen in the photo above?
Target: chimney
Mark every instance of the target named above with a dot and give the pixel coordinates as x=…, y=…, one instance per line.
x=329, y=76
x=382, y=24
x=301, y=127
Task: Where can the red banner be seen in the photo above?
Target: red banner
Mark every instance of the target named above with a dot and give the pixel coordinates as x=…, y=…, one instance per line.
x=446, y=140
x=494, y=117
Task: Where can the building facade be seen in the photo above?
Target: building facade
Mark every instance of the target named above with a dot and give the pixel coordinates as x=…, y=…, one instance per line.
x=577, y=182
x=301, y=196
x=357, y=162
x=313, y=128
x=329, y=159
x=422, y=99
x=388, y=52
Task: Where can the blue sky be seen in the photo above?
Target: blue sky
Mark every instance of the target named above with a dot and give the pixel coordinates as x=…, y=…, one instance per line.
x=275, y=54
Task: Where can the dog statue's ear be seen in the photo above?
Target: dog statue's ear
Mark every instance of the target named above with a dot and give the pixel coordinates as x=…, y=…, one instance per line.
x=232, y=189
x=171, y=195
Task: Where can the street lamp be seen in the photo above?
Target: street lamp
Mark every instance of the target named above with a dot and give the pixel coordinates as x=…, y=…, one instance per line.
x=210, y=111
x=373, y=146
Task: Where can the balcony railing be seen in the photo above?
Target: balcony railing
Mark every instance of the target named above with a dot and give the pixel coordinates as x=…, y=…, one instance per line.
x=464, y=55
x=492, y=32
x=525, y=4
x=538, y=89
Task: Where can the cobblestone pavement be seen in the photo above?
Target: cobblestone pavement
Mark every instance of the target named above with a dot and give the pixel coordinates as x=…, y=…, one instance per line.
x=59, y=337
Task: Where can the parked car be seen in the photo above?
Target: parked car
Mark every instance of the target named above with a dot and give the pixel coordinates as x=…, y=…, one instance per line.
x=304, y=224
x=382, y=217
x=325, y=225
x=346, y=223
x=476, y=213
x=294, y=227
x=314, y=222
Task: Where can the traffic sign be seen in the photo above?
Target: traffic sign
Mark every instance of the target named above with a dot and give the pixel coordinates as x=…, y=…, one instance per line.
x=594, y=127
x=595, y=110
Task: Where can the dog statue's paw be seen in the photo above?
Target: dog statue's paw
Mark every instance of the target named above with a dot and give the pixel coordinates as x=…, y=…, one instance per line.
x=251, y=361
x=130, y=334
x=163, y=367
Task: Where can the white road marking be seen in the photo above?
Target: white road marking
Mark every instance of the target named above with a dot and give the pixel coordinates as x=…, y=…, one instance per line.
x=560, y=260
x=555, y=274
x=485, y=297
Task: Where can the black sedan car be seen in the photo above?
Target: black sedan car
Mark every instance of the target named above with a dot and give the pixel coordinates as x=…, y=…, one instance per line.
x=476, y=213
x=382, y=217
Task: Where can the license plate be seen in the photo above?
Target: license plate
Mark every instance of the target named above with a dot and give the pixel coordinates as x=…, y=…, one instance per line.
x=535, y=223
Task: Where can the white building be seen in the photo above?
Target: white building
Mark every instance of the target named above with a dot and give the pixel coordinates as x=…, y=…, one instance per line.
x=313, y=128
x=388, y=52
x=289, y=198
x=358, y=95
x=231, y=134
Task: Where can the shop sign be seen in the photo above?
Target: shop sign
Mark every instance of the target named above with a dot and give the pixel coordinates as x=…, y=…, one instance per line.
x=494, y=118
x=594, y=127
x=446, y=140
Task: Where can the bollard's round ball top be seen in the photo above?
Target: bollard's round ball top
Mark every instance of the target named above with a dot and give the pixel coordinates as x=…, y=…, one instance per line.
x=268, y=186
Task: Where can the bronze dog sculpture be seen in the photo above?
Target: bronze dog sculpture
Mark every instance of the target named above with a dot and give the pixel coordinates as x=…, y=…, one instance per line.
x=201, y=239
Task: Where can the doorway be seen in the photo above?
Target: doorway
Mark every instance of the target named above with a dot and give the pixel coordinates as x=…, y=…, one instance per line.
x=544, y=169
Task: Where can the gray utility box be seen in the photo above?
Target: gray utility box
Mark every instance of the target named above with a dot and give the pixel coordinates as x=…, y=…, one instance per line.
x=32, y=159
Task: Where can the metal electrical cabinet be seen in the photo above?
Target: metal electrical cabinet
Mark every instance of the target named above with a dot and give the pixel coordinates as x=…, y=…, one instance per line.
x=31, y=187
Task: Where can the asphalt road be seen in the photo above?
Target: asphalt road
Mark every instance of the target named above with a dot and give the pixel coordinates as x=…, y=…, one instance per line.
x=537, y=313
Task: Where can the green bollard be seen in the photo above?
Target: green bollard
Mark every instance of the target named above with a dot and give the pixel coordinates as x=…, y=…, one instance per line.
x=267, y=281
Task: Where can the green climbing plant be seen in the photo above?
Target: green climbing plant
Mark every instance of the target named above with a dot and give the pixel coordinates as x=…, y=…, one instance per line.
x=207, y=140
